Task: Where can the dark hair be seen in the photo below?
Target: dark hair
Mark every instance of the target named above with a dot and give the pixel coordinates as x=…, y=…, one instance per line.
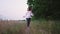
x=29, y=8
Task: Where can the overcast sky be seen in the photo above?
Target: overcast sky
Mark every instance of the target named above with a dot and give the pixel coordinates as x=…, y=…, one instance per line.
x=13, y=9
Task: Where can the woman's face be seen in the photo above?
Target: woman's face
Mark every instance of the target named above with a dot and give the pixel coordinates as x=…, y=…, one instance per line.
x=29, y=9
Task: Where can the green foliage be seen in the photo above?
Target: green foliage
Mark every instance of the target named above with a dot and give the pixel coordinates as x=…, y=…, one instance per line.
x=49, y=9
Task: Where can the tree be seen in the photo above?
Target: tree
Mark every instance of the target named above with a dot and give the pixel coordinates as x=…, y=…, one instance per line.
x=49, y=9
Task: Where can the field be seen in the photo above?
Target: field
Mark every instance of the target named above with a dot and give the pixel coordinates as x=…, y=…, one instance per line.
x=36, y=27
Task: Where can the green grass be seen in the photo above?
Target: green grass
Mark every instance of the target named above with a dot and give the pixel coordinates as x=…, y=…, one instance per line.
x=36, y=27
x=46, y=27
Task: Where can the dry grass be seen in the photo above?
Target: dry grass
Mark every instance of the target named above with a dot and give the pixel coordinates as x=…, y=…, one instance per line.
x=11, y=27
x=19, y=27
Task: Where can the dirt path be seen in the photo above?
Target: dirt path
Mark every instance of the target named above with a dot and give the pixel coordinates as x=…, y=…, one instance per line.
x=27, y=30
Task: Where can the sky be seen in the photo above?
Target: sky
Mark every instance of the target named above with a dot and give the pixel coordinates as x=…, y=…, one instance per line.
x=13, y=9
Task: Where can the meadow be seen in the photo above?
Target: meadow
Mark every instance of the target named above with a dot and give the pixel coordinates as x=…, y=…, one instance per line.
x=36, y=27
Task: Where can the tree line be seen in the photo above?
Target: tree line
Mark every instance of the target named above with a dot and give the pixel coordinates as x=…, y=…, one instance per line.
x=48, y=9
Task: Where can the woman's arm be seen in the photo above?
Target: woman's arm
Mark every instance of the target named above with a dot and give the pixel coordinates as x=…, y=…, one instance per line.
x=32, y=14
x=25, y=15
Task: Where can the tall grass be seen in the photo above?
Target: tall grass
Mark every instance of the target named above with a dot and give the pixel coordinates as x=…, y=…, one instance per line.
x=50, y=26
x=36, y=27
x=56, y=27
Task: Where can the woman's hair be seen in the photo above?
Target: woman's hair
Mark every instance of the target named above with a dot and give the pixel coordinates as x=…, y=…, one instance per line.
x=29, y=8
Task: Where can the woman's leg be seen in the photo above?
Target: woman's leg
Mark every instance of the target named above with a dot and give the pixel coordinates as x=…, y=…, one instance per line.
x=28, y=21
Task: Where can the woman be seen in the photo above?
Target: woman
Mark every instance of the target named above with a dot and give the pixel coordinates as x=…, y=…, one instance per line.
x=28, y=16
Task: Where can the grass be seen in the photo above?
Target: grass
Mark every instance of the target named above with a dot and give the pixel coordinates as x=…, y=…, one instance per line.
x=36, y=27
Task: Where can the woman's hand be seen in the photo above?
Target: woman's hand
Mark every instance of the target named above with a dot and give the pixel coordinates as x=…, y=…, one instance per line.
x=24, y=16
